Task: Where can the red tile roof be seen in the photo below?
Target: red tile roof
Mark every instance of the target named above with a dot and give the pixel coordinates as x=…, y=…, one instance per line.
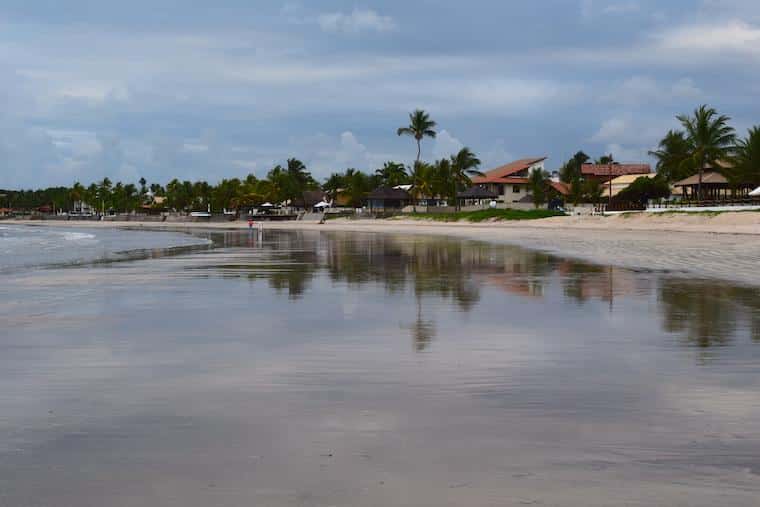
x=615, y=169
x=562, y=188
x=502, y=174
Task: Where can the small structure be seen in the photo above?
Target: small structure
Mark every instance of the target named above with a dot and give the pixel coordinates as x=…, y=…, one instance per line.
x=715, y=187
x=6, y=212
x=605, y=172
x=386, y=198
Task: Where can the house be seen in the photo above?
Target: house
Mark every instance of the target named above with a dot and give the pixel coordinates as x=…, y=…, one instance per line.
x=510, y=181
x=386, y=198
x=621, y=183
x=604, y=172
x=6, y=212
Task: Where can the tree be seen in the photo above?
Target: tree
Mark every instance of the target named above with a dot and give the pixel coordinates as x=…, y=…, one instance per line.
x=333, y=184
x=423, y=181
x=571, y=169
x=420, y=126
x=77, y=193
x=463, y=165
x=393, y=174
x=594, y=190
x=710, y=139
x=357, y=186
x=643, y=189
x=143, y=187
x=747, y=159
x=576, y=191
x=672, y=154
x=538, y=181
x=605, y=160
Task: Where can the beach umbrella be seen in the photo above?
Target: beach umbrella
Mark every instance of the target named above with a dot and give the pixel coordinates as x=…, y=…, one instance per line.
x=755, y=192
x=267, y=205
x=322, y=204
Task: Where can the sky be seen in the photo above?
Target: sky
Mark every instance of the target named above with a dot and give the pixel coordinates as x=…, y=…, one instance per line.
x=214, y=89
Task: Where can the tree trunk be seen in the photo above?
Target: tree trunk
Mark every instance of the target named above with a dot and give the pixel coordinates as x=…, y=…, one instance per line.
x=416, y=168
x=699, y=183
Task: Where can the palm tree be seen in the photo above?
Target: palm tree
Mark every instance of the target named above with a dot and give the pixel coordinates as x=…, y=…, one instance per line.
x=393, y=174
x=333, y=185
x=710, y=139
x=747, y=158
x=423, y=181
x=463, y=165
x=594, y=191
x=538, y=180
x=673, y=156
x=420, y=126
x=605, y=160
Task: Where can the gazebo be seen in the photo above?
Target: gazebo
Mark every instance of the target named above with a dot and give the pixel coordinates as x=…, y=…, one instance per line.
x=715, y=187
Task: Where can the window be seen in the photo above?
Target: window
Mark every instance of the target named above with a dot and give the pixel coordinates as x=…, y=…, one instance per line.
x=515, y=189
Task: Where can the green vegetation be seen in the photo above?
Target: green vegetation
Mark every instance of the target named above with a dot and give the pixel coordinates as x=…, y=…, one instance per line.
x=642, y=190
x=488, y=214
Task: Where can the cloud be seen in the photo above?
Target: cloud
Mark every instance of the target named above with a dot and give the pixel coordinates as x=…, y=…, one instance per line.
x=735, y=36
x=446, y=145
x=589, y=8
x=357, y=21
x=638, y=90
x=497, y=155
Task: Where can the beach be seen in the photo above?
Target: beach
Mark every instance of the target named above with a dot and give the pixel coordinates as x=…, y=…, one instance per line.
x=721, y=246
x=385, y=364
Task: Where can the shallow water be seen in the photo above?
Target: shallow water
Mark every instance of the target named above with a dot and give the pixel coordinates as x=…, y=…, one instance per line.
x=359, y=369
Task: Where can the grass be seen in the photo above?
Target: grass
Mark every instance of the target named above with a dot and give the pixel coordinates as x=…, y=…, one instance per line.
x=487, y=214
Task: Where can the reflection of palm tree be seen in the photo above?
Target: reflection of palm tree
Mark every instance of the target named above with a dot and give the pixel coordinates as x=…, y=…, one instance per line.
x=423, y=331
x=705, y=317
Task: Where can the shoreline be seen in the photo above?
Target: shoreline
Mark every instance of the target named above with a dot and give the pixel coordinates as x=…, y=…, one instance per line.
x=724, y=246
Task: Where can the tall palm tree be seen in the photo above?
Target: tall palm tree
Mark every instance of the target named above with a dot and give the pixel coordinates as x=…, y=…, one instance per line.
x=420, y=127
x=464, y=165
x=747, y=158
x=672, y=156
x=710, y=139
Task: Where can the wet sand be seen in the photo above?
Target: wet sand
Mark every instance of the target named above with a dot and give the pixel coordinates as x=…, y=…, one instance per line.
x=725, y=246
x=312, y=368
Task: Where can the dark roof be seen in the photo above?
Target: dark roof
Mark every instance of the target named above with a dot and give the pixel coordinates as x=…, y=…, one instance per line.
x=614, y=169
x=501, y=173
x=312, y=197
x=476, y=192
x=389, y=193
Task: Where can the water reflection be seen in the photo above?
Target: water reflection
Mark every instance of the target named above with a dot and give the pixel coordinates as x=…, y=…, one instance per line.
x=704, y=314
x=709, y=314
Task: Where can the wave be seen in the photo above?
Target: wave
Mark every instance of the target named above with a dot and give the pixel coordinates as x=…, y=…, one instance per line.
x=76, y=236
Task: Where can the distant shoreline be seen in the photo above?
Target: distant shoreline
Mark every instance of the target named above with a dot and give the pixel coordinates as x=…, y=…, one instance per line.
x=724, y=246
